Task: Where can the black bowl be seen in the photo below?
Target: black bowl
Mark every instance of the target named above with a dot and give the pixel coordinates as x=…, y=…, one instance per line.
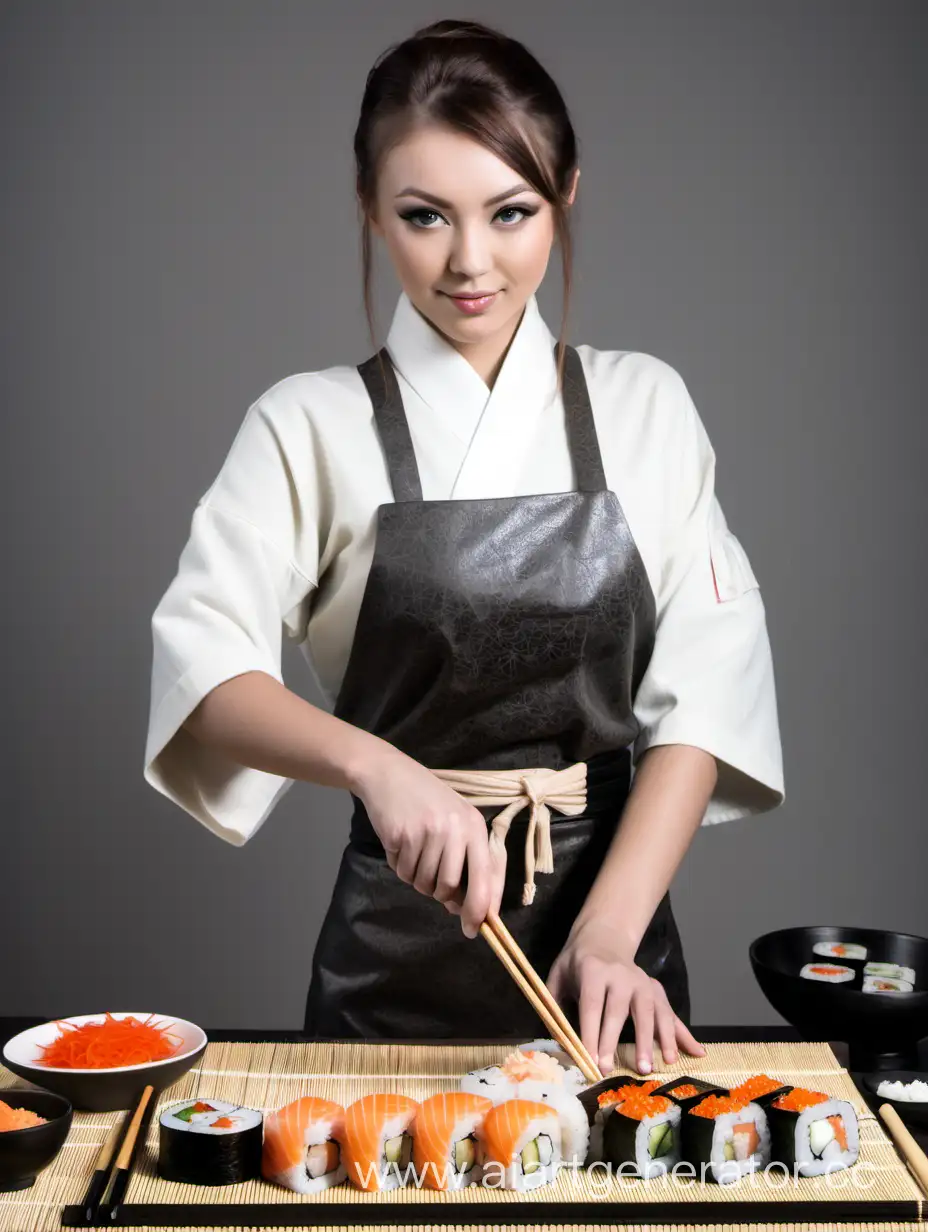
x=881, y=1029
x=25, y=1152
x=101, y=1090
x=911, y=1113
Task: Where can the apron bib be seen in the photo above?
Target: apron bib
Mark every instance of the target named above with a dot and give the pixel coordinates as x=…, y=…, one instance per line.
x=494, y=634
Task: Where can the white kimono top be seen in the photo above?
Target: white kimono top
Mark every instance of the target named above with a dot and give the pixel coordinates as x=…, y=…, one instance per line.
x=282, y=542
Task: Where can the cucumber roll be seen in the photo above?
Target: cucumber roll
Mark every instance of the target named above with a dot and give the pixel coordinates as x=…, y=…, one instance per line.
x=641, y=1134
x=812, y=1133
x=209, y=1142
x=725, y=1137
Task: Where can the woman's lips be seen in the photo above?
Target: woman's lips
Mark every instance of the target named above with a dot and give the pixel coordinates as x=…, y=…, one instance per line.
x=471, y=306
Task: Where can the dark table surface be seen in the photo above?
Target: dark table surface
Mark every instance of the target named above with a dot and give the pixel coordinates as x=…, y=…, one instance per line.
x=707, y=1035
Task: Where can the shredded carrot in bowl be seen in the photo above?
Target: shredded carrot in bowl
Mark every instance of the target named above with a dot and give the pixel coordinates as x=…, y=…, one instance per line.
x=109, y=1044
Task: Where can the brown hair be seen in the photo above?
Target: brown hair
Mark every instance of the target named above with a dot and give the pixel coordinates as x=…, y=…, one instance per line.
x=475, y=81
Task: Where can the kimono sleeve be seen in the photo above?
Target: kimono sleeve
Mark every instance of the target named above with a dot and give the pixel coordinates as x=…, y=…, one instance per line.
x=236, y=591
x=710, y=680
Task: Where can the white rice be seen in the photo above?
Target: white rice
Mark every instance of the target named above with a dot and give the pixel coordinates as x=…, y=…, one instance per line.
x=914, y=1092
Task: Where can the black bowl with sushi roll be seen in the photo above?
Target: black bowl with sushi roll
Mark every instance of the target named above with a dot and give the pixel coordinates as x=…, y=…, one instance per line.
x=905, y=1090
x=868, y=1000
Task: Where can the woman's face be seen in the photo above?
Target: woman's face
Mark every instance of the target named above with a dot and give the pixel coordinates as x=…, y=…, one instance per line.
x=457, y=220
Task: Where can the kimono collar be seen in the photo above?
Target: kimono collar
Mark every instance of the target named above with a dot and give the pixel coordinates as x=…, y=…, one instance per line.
x=496, y=425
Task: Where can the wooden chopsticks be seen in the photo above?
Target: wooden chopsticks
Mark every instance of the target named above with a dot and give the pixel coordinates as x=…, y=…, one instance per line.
x=108, y=1188
x=909, y=1149
x=508, y=951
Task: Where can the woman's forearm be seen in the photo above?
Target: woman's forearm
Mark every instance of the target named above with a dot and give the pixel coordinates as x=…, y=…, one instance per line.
x=258, y=722
x=672, y=786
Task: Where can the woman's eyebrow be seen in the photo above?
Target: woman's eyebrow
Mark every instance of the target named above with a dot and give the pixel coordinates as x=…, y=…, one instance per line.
x=447, y=205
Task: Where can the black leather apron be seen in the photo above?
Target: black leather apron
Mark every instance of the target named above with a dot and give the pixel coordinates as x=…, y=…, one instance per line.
x=494, y=634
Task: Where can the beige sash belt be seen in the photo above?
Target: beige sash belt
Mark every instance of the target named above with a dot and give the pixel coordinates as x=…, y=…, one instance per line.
x=543, y=789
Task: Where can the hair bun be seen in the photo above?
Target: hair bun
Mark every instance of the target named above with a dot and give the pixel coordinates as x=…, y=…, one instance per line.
x=449, y=28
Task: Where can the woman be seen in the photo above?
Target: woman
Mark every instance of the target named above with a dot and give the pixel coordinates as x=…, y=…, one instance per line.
x=504, y=559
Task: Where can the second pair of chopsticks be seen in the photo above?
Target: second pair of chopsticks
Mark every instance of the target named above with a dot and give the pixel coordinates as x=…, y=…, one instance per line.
x=510, y=954
x=108, y=1187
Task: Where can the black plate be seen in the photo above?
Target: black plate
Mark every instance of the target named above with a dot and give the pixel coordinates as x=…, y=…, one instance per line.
x=911, y=1114
x=882, y=1029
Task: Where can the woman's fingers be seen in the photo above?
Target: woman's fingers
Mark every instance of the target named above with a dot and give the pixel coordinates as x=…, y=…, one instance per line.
x=450, y=870
x=614, y=1014
x=687, y=1041
x=643, y=1014
x=425, y=878
x=592, y=998
x=477, y=898
x=665, y=1022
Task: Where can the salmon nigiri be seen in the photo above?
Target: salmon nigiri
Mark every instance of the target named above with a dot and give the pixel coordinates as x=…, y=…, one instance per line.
x=444, y=1146
x=521, y=1141
x=301, y=1145
x=377, y=1140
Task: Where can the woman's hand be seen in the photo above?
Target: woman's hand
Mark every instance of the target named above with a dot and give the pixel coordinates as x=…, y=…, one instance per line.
x=434, y=839
x=593, y=969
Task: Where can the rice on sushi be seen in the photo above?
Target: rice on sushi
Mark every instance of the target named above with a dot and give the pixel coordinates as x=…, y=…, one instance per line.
x=812, y=1133
x=848, y=951
x=525, y=1064
x=884, y=983
x=829, y=973
x=641, y=1134
x=520, y=1145
x=890, y=971
x=302, y=1151
x=445, y=1149
x=725, y=1137
x=377, y=1141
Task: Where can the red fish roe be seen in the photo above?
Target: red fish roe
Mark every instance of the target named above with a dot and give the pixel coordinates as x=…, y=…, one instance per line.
x=641, y=1105
x=685, y=1091
x=617, y=1094
x=716, y=1105
x=760, y=1084
x=799, y=1099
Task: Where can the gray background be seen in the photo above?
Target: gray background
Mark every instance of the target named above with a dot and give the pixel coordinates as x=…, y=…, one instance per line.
x=180, y=233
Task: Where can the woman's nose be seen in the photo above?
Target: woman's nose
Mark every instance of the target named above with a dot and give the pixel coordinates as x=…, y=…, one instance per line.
x=470, y=253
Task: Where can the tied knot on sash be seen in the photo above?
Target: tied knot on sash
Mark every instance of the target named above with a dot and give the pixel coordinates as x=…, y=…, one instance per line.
x=539, y=790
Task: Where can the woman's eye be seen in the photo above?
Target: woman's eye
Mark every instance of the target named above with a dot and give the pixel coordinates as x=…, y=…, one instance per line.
x=521, y=210
x=420, y=218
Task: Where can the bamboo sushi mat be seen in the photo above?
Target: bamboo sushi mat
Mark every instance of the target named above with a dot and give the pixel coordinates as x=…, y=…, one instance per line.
x=268, y=1075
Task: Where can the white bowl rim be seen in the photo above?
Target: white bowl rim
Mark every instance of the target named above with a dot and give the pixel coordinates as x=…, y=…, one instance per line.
x=78, y=1020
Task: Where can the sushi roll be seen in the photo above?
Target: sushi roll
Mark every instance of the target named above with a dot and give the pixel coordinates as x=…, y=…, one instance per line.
x=571, y=1115
x=525, y=1064
x=377, y=1141
x=685, y=1091
x=444, y=1146
x=611, y=1093
x=489, y=1082
x=845, y=951
x=812, y=1133
x=209, y=1142
x=520, y=1144
x=573, y=1074
x=829, y=973
x=885, y=983
x=890, y=971
x=641, y=1134
x=760, y=1089
x=725, y=1137
x=301, y=1145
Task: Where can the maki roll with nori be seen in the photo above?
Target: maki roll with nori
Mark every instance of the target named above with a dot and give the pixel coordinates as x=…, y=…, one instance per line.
x=209, y=1142
x=811, y=1133
x=725, y=1137
x=686, y=1091
x=761, y=1089
x=641, y=1134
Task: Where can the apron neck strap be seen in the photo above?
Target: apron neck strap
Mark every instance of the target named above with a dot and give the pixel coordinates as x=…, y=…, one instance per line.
x=379, y=377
